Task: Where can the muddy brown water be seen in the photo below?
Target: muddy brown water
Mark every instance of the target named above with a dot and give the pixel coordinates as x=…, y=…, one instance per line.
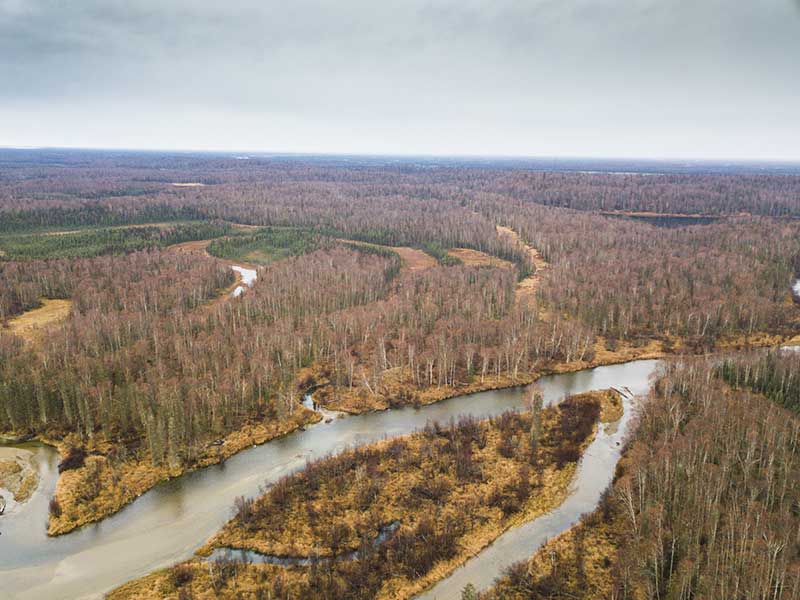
x=168, y=523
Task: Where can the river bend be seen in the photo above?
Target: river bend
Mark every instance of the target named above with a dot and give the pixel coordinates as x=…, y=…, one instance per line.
x=168, y=523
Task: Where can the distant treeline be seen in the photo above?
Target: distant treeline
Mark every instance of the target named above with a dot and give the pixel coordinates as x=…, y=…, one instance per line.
x=94, y=242
x=94, y=214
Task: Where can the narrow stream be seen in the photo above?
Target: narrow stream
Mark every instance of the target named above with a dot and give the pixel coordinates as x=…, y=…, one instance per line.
x=595, y=472
x=248, y=277
x=291, y=561
x=168, y=523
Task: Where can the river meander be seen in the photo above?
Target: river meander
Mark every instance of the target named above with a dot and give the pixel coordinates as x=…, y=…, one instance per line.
x=168, y=523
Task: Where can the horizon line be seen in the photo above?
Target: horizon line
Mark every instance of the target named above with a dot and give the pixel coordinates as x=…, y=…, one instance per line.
x=408, y=155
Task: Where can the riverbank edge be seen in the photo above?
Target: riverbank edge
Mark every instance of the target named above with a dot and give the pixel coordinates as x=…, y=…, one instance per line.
x=563, y=488
x=652, y=350
x=602, y=358
x=553, y=495
x=142, y=476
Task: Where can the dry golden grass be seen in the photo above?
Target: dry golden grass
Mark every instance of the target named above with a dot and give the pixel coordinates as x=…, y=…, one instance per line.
x=33, y=324
x=526, y=289
x=475, y=258
x=161, y=585
x=398, y=387
x=119, y=482
x=298, y=539
x=292, y=534
x=414, y=259
x=193, y=247
x=597, y=543
x=611, y=407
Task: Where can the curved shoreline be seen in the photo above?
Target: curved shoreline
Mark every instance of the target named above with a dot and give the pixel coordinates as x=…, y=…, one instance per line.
x=168, y=523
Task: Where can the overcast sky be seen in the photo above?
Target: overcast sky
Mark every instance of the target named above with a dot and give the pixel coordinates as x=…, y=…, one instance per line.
x=608, y=78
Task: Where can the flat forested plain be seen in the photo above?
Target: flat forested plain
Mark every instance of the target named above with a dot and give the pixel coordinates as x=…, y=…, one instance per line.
x=383, y=284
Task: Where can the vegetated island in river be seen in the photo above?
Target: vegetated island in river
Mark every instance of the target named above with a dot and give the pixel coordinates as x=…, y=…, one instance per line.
x=448, y=491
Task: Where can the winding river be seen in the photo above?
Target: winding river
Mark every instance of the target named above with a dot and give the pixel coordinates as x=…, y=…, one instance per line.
x=168, y=523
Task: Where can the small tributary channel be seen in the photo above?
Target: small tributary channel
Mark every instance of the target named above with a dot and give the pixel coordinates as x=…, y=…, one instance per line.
x=292, y=561
x=171, y=521
x=248, y=278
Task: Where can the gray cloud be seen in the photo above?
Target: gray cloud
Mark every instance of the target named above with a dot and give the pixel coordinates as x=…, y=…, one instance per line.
x=577, y=77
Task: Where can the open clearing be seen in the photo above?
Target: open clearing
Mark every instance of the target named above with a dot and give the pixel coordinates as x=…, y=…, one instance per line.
x=30, y=325
x=413, y=259
x=526, y=289
x=476, y=258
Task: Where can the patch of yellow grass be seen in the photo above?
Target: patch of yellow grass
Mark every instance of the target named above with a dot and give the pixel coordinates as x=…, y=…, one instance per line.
x=31, y=325
x=526, y=289
x=413, y=259
x=397, y=386
x=475, y=258
x=598, y=544
x=611, y=407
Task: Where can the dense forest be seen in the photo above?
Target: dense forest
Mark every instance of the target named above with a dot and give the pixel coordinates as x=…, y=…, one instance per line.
x=382, y=284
